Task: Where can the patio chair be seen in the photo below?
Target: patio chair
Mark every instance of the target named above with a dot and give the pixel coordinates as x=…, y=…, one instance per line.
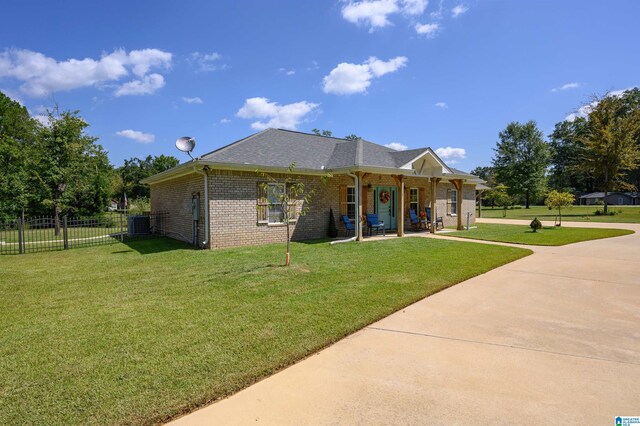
x=416, y=223
x=348, y=226
x=374, y=223
x=439, y=219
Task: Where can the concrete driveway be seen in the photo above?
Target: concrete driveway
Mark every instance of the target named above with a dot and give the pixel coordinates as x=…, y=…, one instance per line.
x=553, y=338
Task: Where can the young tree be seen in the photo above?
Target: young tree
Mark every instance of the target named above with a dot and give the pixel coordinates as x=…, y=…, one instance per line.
x=520, y=161
x=558, y=200
x=352, y=137
x=289, y=198
x=501, y=198
x=610, y=143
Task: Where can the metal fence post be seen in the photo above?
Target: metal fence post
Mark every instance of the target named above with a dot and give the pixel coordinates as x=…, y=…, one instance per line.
x=20, y=235
x=121, y=230
x=65, y=234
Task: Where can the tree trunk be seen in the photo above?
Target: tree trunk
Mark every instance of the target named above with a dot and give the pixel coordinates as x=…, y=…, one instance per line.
x=56, y=216
x=288, y=258
x=560, y=215
x=526, y=200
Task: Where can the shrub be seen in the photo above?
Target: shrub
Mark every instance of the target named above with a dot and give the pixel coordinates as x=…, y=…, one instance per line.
x=607, y=213
x=535, y=225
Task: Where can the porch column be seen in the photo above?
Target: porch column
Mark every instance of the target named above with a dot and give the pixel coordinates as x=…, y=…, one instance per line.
x=457, y=183
x=358, y=182
x=400, y=207
x=480, y=203
x=434, y=184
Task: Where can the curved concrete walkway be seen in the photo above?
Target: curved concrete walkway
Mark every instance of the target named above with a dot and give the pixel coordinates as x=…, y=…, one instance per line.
x=553, y=338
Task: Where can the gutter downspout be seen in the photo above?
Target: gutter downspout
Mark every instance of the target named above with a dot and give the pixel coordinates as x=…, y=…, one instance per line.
x=358, y=212
x=205, y=173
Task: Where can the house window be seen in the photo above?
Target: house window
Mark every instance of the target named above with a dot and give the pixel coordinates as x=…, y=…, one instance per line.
x=351, y=202
x=413, y=200
x=620, y=200
x=452, y=202
x=270, y=198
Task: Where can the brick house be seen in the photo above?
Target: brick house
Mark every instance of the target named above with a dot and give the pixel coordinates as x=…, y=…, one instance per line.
x=215, y=200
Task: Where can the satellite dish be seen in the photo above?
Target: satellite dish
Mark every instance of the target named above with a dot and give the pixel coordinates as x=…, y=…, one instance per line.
x=186, y=144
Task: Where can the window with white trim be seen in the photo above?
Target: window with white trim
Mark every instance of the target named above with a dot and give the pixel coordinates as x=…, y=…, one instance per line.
x=452, y=202
x=413, y=200
x=270, y=198
x=351, y=202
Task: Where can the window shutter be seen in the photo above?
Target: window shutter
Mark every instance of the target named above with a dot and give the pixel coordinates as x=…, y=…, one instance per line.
x=262, y=205
x=407, y=201
x=343, y=200
x=365, y=199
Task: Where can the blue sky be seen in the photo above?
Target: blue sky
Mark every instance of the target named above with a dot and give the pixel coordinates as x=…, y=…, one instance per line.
x=444, y=74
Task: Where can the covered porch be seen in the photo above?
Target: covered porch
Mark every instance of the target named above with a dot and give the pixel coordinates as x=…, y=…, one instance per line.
x=423, y=183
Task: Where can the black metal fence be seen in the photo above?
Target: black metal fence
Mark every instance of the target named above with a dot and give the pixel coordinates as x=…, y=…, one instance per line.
x=38, y=234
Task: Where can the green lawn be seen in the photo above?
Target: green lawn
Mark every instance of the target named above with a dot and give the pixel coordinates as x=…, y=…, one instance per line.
x=626, y=214
x=142, y=332
x=548, y=236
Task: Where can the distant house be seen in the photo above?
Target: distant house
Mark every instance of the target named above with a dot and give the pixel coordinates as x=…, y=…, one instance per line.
x=612, y=198
x=216, y=200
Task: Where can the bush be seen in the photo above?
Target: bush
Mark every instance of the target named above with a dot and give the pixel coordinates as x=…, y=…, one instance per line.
x=535, y=225
x=608, y=213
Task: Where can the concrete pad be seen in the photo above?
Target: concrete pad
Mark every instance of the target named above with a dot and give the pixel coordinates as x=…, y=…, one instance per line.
x=553, y=338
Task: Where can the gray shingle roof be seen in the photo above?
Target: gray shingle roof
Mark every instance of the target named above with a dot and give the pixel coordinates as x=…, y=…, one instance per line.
x=280, y=148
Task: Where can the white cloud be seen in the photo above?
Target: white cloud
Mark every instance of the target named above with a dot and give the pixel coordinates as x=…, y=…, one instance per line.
x=567, y=86
x=442, y=105
x=287, y=72
x=346, y=78
x=437, y=14
x=397, y=146
x=449, y=153
x=459, y=10
x=145, y=86
x=372, y=13
x=41, y=75
x=375, y=13
x=428, y=30
x=195, y=100
x=137, y=136
x=585, y=110
x=279, y=116
x=225, y=121
x=414, y=7
x=206, y=62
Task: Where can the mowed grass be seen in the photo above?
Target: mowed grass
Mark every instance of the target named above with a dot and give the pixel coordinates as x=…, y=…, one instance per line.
x=625, y=214
x=139, y=333
x=547, y=236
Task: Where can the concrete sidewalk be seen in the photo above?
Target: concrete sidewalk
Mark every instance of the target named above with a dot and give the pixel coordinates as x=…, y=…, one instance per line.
x=553, y=338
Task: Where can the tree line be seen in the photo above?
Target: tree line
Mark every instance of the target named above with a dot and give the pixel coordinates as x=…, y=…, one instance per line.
x=598, y=150
x=55, y=167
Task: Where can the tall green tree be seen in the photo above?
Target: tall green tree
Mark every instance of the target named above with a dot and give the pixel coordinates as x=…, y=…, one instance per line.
x=17, y=135
x=521, y=159
x=67, y=162
x=566, y=151
x=610, y=143
x=136, y=169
